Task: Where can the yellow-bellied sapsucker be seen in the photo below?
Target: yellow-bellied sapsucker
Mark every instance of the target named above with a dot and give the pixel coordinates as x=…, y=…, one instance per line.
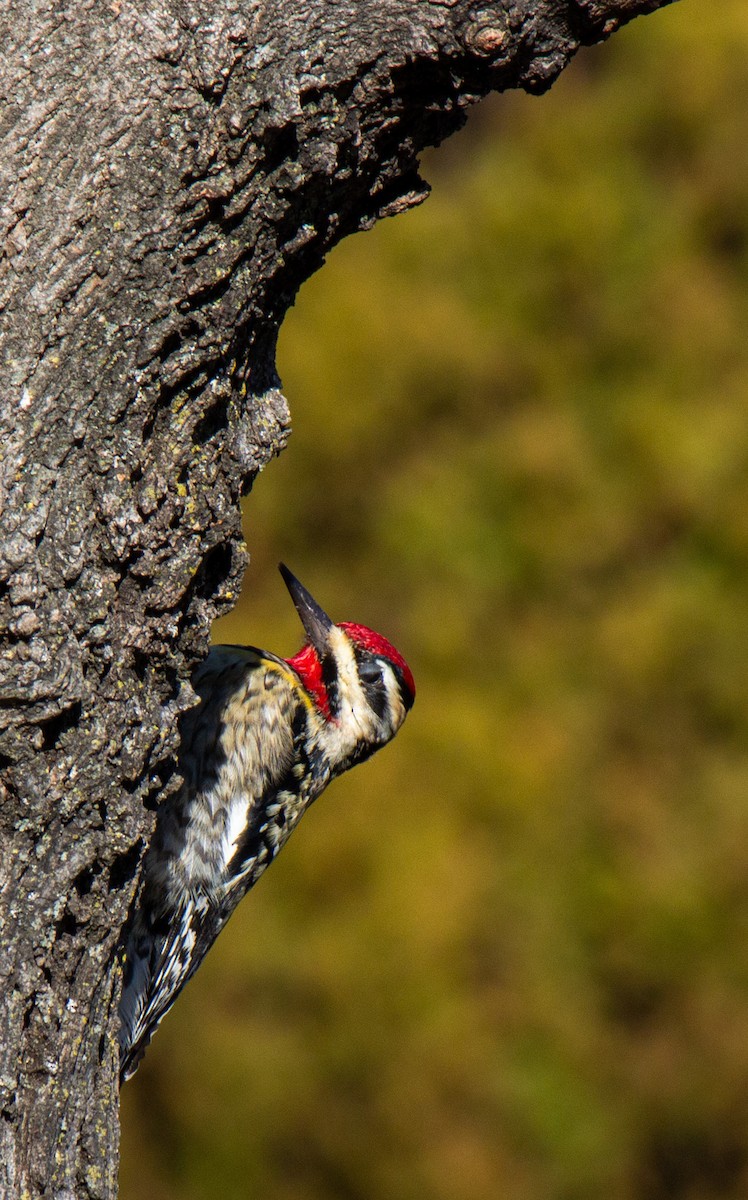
x=266, y=738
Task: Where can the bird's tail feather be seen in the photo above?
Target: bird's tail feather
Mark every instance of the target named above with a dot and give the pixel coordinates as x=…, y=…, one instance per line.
x=157, y=967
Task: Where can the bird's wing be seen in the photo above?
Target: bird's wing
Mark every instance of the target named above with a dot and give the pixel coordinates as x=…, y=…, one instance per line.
x=216, y=837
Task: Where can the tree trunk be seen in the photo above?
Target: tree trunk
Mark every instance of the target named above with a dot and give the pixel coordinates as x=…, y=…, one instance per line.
x=172, y=171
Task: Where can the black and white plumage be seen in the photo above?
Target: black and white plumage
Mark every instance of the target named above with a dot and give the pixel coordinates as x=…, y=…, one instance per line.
x=267, y=737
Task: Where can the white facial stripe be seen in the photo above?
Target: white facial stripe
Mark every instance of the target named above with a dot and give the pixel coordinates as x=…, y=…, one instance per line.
x=394, y=696
x=355, y=714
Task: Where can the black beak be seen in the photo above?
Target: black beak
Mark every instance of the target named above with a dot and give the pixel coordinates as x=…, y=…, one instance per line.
x=314, y=619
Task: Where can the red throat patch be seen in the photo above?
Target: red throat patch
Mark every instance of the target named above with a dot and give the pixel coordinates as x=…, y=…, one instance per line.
x=307, y=666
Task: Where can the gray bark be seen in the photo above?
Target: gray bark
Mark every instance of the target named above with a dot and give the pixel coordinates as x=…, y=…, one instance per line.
x=172, y=171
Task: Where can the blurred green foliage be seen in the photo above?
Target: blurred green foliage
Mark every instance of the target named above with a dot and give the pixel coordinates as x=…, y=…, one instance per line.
x=509, y=957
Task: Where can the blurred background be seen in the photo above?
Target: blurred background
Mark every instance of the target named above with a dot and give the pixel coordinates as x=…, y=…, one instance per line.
x=509, y=956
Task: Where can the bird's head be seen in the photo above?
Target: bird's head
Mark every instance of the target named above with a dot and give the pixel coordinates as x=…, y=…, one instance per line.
x=360, y=683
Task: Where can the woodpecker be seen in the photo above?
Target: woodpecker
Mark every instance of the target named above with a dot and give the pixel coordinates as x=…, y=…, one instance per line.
x=266, y=738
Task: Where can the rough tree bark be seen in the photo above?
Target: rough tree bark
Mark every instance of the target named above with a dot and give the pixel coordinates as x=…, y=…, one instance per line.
x=172, y=170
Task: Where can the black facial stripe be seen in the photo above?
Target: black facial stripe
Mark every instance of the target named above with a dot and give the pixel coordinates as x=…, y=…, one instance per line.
x=375, y=689
x=364, y=658
x=331, y=682
x=376, y=694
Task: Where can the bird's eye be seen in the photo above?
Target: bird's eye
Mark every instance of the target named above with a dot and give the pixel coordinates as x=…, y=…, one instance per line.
x=370, y=671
